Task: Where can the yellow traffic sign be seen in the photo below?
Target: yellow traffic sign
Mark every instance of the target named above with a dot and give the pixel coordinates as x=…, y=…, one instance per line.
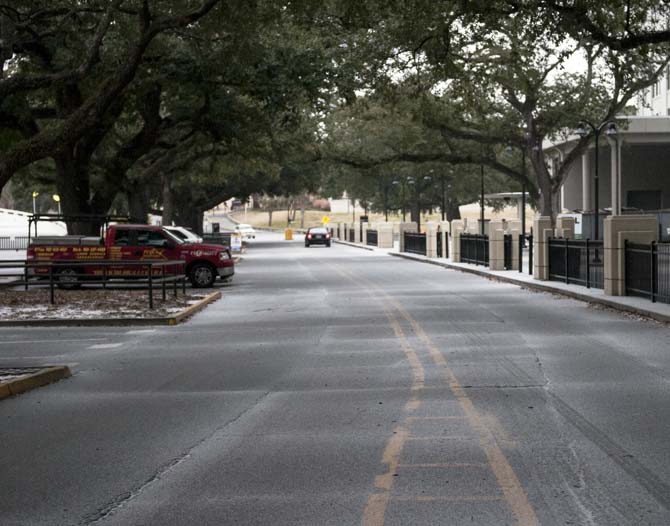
x=325, y=219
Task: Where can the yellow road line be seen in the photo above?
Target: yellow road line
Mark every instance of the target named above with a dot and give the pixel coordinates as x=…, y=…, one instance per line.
x=447, y=465
x=427, y=498
x=436, y=418
x=514, y=493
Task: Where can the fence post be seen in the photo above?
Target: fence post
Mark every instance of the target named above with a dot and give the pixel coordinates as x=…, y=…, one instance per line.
x=588, y=265
x=163, y=280
x=567, y=262
x=174, y=280
x=51, y=284
x=652, y=281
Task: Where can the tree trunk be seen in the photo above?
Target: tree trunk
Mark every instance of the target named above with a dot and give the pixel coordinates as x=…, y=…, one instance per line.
x=138, y=204
x=168, y=202
x=302, y=216
x=74, y=190
x=270, y=218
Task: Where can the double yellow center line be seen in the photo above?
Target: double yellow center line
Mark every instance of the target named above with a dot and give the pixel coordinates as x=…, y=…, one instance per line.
x=377, y=503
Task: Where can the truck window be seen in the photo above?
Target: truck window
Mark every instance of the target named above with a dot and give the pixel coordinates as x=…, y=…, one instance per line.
x=123, y=237
x=151, y=238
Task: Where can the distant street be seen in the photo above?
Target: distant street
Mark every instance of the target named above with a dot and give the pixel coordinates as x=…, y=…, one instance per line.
x=336, y=386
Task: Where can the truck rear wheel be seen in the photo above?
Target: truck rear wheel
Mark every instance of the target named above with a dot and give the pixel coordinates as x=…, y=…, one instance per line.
x=68, y=278
x=202, y=275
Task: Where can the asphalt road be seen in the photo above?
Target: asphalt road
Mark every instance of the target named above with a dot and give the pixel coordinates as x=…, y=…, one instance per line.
x=334, y=386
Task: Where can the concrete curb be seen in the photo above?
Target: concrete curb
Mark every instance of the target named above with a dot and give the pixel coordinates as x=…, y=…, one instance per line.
x=355, y=245
x=116, y=322
x=45, y=376
x=539, y=287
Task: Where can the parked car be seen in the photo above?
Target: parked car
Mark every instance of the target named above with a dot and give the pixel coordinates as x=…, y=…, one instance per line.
x=317, y=236
x=246, y=231
x=184, y=234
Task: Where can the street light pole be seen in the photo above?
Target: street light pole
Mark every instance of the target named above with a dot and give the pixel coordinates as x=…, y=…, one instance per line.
x=481, y=168
x=444, y=199
x=610, y=131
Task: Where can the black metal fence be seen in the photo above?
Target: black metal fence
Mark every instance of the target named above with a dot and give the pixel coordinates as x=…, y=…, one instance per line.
x=475, y=249
x=352, y=235
x=576, y=261
x=647, y=271
x=507, y=252
x=371, y=238
x=14, y=243
x=415, y=243
x=152, y=275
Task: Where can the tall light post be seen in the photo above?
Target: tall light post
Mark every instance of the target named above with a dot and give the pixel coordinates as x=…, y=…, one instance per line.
x=481, y=228
x=611, y=131
x=410, y=182
x=35, y=194
x=56, y=198
x=402, y=196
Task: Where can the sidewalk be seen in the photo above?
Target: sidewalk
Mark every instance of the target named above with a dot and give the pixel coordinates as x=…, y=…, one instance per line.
x=639, y=306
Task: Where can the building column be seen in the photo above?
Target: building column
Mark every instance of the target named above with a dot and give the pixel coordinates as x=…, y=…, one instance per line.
x=364, y=233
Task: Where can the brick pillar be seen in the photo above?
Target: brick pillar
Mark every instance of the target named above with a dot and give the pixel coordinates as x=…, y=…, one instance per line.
x=364, y=234
x=457, y=227
x=565, y=227
x=357, y=233
x=542, y=231
x=445, y=228
x=618, y=229
x=431, y=239
x=496, y=245
x=385, y=235
x=402, y=228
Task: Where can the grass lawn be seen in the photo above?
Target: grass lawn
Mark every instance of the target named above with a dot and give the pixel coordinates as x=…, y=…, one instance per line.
x=259, y=218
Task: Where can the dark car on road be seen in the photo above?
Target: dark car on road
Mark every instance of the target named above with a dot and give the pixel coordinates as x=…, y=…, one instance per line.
x=317, y=236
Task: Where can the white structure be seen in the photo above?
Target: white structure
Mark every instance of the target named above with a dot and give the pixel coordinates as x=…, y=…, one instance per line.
x=344, y=205
x=14, y=223
x=655, y=100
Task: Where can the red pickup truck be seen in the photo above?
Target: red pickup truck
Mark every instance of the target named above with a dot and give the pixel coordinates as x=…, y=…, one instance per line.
x=204, y=262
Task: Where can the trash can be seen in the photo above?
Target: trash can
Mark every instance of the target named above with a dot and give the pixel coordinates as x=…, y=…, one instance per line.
x=288, y=234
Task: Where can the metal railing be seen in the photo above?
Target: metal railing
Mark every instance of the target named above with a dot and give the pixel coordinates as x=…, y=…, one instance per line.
x=155, y=274
x=352, y=235
x=371, y=238
x=576, y=261
x=14, y=243
x=475, y=249
x=415, y=243
x=647, y=270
